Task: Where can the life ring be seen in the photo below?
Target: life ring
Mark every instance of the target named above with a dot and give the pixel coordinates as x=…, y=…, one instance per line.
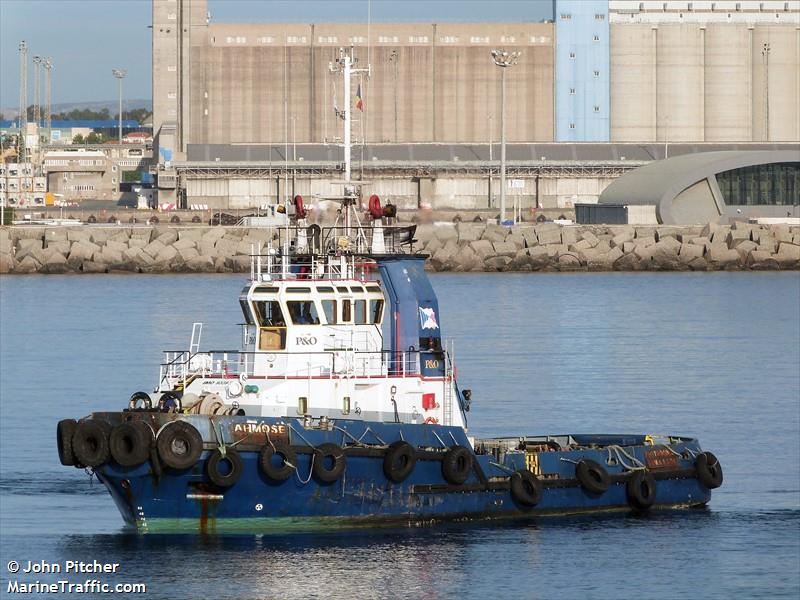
x=399, y=461
x=90, y=442
x=329, y=463
x=592, y=476
x=375, y=209
x=526, y=488
x=224, y=477
x=431, y=421
x=709, y=471
x=170, y=401
x=129, y=443
x=179, y=445
x=641, y=490
x=299, y=211
x=64, y=432
x=456, y=465
x=136, y=398
x=288, y=460
x=235, y=388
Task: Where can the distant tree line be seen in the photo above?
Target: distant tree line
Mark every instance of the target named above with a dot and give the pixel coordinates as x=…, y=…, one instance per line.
x=87, y=114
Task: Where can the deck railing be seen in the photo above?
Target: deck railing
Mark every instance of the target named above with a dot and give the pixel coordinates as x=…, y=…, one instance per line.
x=180, y=366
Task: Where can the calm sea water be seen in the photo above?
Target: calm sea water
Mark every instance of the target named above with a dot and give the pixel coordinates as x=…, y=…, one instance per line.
x=712, y=355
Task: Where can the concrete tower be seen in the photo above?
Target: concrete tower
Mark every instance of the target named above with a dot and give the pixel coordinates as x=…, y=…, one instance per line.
x=178, y=26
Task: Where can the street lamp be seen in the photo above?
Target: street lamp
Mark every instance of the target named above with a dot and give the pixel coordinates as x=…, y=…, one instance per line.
x=503, y=60
x=120, y=75
x=765, y=50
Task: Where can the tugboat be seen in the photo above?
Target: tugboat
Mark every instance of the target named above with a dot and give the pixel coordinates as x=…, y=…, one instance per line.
x=342, y=407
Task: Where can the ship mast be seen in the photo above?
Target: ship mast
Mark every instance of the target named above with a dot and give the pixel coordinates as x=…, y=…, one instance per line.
x=345, y=65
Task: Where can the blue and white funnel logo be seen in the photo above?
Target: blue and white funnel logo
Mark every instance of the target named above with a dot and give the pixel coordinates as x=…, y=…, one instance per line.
x=427, y=318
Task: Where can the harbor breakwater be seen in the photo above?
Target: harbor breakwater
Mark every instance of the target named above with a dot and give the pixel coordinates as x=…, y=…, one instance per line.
x=461, y=247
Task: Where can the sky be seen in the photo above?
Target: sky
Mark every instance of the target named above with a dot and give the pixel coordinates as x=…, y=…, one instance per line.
x=86, y=39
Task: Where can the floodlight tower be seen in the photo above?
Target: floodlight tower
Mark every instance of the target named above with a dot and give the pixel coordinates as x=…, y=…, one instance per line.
x=120, y=75
x=37, y=99
x=23, y=100
x=48, y=94
x=504, y=60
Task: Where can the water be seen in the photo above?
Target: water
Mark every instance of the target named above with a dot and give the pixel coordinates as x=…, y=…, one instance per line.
x=712, y=355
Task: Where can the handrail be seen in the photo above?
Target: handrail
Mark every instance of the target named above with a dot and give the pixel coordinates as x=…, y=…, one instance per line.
x=363, y=363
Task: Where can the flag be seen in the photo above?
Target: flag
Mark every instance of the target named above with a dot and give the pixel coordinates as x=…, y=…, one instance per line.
x=359, y=100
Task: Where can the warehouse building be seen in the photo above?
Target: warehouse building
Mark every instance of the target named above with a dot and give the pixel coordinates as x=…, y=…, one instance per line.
x=638, y=73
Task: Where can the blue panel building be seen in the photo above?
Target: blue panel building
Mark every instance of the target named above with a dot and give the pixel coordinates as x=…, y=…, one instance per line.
x=582, y=71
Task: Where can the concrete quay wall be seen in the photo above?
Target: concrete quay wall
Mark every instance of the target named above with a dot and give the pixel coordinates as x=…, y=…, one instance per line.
x=461, y=247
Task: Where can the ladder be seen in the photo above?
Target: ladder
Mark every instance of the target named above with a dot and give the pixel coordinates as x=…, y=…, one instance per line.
x=194, y=344
x=447, y=402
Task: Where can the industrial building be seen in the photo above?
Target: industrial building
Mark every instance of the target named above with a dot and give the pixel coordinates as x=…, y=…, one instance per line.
x=674, y=73
x=702, y=188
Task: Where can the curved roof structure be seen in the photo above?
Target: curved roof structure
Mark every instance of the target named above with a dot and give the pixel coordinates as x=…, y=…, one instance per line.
x=684, y=188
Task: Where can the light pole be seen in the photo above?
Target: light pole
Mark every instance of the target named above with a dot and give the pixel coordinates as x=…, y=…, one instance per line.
x=765, y=54
x=120, y=75
x=503, y=60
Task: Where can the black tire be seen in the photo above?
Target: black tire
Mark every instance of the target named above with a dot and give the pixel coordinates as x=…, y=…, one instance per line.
x=324, y=470
x=592, y=476
x=150, y=221
x=129, y=443
x=228, y=477
x=170, y=402
x=641, y=490
x=112, y=219
x=175, y=219
x=142, y=397
x=179, y=445
x=709, y=471
x=399, y=462
x=64, y=432
x=90, y=442
x=456, y=465
x=91, y=219
x=196, y=219
x=288, y=458
x=526, y=488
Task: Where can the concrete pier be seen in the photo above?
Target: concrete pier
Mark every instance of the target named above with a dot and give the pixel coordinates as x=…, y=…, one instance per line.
x=462, y=247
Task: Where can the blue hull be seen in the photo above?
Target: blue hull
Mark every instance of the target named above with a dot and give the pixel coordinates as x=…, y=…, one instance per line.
x=186, y=500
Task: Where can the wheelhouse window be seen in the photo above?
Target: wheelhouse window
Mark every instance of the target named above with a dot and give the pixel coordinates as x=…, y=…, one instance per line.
x=377, y=311
x=248, y=316
x=360, y=312
x=303, y=312
x=269, y=313
x=347, y=311
x=329, y=308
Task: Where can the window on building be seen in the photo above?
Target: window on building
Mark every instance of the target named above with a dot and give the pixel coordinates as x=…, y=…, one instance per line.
x=572, y=125
x=596, y=38
x=571, y=91
x=572, y=55
x=776, y=184
x=596, y=108
x=597, y=73
x=566, y=16
x=599, y=17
